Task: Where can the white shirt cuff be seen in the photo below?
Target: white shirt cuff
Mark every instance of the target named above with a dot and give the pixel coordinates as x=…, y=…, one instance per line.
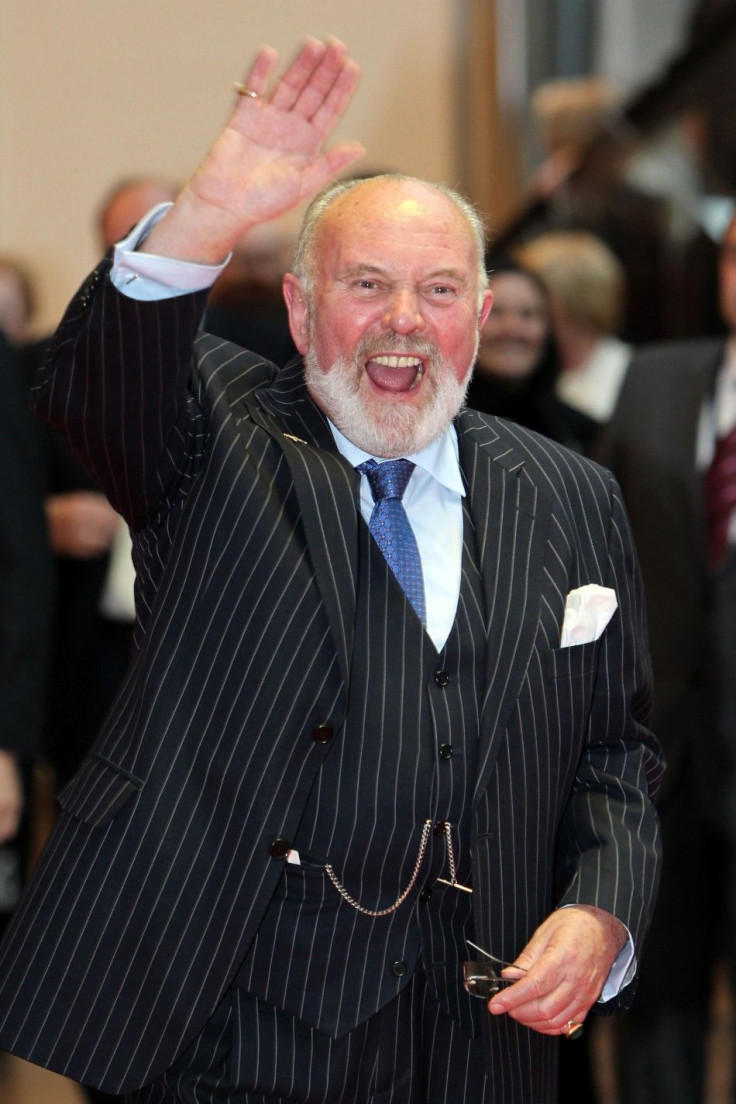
x=146, y=276
x=621, y=973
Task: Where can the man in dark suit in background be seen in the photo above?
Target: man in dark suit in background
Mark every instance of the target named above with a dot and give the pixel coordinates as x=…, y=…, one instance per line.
x=353, y=738
x=671, y=435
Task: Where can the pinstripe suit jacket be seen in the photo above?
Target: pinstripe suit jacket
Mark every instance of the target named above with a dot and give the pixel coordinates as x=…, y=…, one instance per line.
x=245, y=523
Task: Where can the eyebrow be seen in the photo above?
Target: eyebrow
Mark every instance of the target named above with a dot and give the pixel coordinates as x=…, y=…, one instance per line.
x=368, y=269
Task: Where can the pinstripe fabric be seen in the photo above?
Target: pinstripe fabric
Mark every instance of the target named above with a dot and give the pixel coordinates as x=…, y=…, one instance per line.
x=246, y=549
x=382, y=781
x=409, y=1053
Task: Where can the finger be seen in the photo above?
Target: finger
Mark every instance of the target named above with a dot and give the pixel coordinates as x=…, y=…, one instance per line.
x=260, y=72
x=328, y=74
x=327, y=167
x=550, y=1017
x=566, y=1025
x=299, y=73
x=334, y=105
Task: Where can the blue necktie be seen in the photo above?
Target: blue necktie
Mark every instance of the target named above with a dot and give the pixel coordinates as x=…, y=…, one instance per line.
x=391, y=529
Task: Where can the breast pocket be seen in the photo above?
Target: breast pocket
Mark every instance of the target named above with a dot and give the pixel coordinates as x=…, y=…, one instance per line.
x=98, y=791
x=576, y=661
x=570, y=686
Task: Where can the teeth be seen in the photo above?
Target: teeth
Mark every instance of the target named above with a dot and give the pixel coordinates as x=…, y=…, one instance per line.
x=398, y=361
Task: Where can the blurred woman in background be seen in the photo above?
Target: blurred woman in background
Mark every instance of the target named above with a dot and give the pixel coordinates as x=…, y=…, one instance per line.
x=518, y=361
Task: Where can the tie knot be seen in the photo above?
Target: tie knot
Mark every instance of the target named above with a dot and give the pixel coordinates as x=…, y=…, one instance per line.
x=387, y=480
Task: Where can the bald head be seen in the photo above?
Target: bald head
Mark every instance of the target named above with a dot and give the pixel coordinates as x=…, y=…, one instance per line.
x=361, y=199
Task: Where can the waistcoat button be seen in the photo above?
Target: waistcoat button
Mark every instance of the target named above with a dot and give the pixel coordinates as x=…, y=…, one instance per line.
x=322, y=734
x=425, y=895
x=446, y=751
x=399, y=968
x=439, y=827
x=279, y=849
x=441, y=678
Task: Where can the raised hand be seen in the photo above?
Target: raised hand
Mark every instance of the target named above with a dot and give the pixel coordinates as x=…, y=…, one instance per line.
x=270, y=156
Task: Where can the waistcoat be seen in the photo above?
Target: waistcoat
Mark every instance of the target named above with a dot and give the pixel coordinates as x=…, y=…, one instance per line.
x=406, y=755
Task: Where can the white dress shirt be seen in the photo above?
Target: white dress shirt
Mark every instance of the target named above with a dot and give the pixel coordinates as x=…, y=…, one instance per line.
x=433, y=504
x=593, y=387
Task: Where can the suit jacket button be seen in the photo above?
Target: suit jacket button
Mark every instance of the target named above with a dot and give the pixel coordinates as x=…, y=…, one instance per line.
x=425, y=895
x=322, y=734
x=399, y=968
x=279, y=849
x=441, y=678
x=446, y=751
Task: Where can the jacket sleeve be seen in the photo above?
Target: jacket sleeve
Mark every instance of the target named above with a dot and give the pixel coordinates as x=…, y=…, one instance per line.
x=117, y=384
x=609, y=847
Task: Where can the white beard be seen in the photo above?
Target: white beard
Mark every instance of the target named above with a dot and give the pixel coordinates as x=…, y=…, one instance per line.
x=384, y=427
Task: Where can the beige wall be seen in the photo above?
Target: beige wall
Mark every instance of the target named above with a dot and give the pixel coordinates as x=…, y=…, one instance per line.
x=92, y=90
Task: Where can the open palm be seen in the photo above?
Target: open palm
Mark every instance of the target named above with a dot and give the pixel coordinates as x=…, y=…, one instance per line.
x=271, y=154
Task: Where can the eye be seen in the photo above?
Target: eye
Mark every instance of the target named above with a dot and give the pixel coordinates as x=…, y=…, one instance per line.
x=365, y=285
x=441, y=291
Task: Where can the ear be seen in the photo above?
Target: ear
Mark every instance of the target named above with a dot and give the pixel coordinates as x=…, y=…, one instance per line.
x=298, y=308
x=485, y=308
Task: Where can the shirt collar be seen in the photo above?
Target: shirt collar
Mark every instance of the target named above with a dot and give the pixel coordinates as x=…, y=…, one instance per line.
x=441, y=459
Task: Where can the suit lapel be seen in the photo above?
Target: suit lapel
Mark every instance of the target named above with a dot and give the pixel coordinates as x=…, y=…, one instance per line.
x=325, y=486
x=511, y=517
x=510, y=514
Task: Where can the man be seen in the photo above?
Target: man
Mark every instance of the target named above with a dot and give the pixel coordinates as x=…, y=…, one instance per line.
x=319, y=782
x=677, y=404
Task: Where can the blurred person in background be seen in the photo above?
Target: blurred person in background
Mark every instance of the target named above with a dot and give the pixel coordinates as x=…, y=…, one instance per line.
x=17, y=300
x=246, y=305
x=583, y=184
x=587, y=291
x=518, y=360
x=672, y=445
x=121, y=206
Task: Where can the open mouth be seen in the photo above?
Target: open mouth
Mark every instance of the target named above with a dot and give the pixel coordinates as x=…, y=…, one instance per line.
x=396, y=372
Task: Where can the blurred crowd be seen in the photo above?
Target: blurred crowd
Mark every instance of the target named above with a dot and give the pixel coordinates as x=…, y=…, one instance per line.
x=613, y=332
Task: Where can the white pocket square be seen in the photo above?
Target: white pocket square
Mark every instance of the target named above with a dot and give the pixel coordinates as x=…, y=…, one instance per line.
x=587, y=612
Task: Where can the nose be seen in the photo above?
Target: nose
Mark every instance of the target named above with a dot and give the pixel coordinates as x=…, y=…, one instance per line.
x=403, y=313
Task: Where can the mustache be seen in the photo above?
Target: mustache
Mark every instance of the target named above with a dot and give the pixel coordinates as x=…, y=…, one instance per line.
x=409, y=345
